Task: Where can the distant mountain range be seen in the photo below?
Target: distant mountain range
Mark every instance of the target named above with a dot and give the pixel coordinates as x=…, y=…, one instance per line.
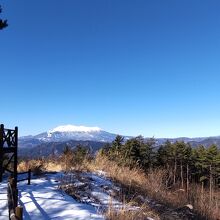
x=67, y=133
x=92, y=137
x=55, y=140
x=205, y=141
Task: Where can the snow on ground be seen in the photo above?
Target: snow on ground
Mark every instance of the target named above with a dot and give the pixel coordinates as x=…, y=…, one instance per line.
x=43, y=200
x=103, y=190
x=94, y=188
x=3, y=201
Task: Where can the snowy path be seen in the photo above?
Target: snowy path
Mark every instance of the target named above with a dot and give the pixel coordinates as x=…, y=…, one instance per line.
x=42, y=200
x=3, y=202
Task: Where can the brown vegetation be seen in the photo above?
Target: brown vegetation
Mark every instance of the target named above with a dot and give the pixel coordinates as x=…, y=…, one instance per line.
x=139, y=187
x=152, y=185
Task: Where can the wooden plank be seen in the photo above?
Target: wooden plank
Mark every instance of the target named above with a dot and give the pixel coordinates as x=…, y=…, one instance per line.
x=19, y=212
x=16, y=159
x=9, y=161
x=22, y=180
x=8, y=145
x=21, y=173
x=7, y=150
x=10, y=195
x=1, y=151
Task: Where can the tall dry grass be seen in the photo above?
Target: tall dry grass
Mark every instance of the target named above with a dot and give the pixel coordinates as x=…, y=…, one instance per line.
x=152, y=185
x=137, y=185
x=143, y=213
x=39, y=166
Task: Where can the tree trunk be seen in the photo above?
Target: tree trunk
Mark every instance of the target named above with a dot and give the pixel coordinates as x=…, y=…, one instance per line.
x=202, y=191
x=210, y=183
x=181, y=170
x=187, y=180
x=174, y=173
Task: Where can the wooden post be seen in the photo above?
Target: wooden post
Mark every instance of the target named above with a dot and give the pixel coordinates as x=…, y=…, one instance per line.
x=1, y=151
x=10, y=195
x=29, y=176
x=16, y=197
x=19, y=212
x=16, y=157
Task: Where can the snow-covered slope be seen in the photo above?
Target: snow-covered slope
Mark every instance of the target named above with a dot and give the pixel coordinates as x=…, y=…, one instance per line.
x=73, y=128
x=72, y=132
x=42, y=200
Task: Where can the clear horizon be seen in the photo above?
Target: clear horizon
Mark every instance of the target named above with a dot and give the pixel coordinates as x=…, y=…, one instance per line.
x=117, y=133
x=146, y=68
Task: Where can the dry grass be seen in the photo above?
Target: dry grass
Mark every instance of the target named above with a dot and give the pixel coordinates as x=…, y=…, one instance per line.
x=202, y=202
x=39, y=166
x=143, y=213
x=137, y=185
x=135, y=182
x=53, y=166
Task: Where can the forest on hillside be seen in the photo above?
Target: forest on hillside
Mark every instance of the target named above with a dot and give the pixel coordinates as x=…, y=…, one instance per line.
x=183, y=163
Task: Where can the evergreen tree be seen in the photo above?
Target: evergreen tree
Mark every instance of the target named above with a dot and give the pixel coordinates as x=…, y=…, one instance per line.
x=164, y=155
x=138, y=152
x=79, y=154
x=3, y=23
x=213, y=162
x=200, y=164
x=117, y=144
x=131, y=151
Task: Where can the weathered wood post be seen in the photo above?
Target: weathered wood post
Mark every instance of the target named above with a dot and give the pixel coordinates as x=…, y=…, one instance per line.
x=16, y=157
x=19, y=212
x=11, y=198
x=9, y=148
x=29, y=176
x=1, y=151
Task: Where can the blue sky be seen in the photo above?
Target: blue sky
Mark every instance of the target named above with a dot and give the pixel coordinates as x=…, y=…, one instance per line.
x=129, y=67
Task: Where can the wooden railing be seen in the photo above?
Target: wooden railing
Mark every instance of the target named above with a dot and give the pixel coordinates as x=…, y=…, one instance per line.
x=15, y=211
x=28, y=178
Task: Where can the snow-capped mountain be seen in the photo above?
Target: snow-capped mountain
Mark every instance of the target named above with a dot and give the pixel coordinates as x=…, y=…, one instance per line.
x=72, y=132
x=66, y=133
x=73, y=128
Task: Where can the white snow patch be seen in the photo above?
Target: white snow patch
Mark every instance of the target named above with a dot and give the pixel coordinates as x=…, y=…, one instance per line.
x=73, y=128
x=102, y=189
x=3, y=202
x=99, y=191
x=43, y=200
x=101, y=173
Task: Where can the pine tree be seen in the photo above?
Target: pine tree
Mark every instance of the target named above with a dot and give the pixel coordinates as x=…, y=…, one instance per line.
x=164, y=155
x=131, y=151
x=117, y=144
x=3, y=23
x=183, y=153
x=200, y=165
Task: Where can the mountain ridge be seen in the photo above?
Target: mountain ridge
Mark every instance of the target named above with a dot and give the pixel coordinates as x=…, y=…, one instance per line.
x=65, y=133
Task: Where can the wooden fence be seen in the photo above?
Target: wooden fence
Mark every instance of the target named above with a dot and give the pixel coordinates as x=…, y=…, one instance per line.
x=28, y=178
x=15, y=211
